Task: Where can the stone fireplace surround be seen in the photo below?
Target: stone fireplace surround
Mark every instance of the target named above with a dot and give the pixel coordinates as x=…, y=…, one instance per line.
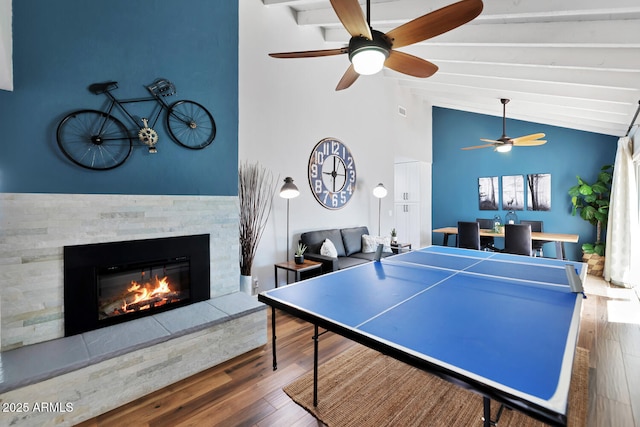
x=96, y=373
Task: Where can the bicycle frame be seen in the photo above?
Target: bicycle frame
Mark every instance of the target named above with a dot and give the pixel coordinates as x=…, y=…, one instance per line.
x=120, y=103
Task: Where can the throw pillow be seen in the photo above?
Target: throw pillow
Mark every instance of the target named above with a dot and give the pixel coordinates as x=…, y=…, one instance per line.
x=328, y=249
x=370, y=243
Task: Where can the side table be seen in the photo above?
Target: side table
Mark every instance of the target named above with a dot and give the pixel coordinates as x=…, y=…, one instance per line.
x=307, y=265
x=400, y=247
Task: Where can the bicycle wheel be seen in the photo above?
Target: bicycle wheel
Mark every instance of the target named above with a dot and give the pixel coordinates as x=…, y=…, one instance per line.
x=190, y=124
x=94, y=140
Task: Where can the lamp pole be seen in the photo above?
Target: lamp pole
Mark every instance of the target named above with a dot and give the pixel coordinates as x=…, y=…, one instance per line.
x=379, y=192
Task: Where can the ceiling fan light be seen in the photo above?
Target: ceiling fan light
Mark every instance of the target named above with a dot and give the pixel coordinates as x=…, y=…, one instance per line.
x=369, y=60
x=504, y=148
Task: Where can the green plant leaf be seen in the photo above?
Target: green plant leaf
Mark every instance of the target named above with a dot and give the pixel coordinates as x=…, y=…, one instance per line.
x=585, y=189
x=574, y=191
x=600, y=188
x=588, y=248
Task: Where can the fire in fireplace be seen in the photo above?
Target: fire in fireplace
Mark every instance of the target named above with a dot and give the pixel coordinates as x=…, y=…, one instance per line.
x=124, y=290
x=110, y=283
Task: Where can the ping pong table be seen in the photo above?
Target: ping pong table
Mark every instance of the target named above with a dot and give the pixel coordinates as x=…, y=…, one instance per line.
x=504, y=326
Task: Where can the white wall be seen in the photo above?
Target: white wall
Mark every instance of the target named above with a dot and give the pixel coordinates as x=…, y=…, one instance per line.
x=6, y=46
x=288, y=105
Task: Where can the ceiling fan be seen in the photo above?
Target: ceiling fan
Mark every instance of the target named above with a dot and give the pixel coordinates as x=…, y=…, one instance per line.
x=369, y=50
x=504, y=143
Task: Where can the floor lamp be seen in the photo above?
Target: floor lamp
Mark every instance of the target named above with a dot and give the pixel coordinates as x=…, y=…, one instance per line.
x=288, y=191
x=380, y=192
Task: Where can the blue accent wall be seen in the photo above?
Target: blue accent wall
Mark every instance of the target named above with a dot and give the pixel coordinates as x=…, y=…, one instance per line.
x=455, y=172
x=62, y=46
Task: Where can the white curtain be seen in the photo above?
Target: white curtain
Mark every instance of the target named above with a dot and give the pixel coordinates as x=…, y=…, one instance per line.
x=623, y=230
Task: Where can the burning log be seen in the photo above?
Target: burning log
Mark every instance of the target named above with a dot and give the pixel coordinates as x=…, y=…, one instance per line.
x=152, y=302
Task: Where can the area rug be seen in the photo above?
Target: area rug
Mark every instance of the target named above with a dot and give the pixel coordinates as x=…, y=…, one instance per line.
x=362, y=387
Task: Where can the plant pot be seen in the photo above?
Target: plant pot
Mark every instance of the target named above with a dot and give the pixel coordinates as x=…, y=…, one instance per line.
x=298, y=259
x=595, y=264
x=245, y=284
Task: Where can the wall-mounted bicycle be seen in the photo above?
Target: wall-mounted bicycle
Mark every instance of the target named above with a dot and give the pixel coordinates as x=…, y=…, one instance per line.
x=97, y=140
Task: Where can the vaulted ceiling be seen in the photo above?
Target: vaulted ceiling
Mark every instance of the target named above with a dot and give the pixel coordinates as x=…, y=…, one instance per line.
x=570, y=63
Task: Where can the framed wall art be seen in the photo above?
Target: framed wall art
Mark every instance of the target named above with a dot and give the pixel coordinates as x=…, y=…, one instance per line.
x=539, y=192
x=488, y=193
x=513, y=193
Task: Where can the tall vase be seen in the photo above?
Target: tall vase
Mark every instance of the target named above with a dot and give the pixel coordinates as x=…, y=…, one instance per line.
x=245, y=284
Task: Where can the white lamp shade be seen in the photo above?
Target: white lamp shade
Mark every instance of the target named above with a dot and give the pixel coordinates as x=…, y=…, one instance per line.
x=379, y=191
x=368, y=61
x=504, y=148
x=289, y=189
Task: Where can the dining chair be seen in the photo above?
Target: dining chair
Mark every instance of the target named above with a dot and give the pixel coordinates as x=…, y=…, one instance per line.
x=468, y=235
x=536, y=226
x=517, y=239
x=486, y=242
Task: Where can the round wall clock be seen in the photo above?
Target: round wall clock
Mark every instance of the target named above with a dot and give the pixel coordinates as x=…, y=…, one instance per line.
x=332, y=173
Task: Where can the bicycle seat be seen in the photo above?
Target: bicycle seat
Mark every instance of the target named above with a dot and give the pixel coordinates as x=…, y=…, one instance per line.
x=98, y=88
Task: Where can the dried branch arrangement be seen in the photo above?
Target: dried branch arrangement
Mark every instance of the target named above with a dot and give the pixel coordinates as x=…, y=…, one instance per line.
x=256, y=188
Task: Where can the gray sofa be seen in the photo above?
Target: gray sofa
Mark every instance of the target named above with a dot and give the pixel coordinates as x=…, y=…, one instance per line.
x=348, y=243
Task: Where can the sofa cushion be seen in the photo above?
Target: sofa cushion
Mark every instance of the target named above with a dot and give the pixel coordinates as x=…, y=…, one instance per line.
x=346, y=262
x=352, y=239
x=315, y=239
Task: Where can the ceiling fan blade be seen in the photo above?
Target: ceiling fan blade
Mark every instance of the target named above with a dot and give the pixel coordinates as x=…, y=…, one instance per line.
x=478, y=146
x=310, y=53
x=528, y=137
x=348, y=78
x=435, y=23
x=409, y=64
x=529, y=143
x=493, y=141
x=352, y=17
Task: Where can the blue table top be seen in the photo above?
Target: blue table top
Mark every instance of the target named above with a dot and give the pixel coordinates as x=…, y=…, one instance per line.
x=507, y=321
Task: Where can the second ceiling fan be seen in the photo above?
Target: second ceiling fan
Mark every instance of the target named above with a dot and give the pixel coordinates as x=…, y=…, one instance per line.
x=504, y=143
x=369, y=50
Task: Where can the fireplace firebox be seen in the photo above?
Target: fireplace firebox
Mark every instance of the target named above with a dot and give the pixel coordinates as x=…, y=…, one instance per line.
x=109, y=283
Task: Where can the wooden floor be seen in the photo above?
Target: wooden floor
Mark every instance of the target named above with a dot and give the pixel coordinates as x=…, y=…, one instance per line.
x=247, y=392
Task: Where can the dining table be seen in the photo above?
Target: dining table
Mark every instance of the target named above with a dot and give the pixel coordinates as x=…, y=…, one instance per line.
x=558, y=238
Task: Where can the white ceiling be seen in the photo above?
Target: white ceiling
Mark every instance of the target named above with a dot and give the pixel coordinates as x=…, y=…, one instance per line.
x=570, y=63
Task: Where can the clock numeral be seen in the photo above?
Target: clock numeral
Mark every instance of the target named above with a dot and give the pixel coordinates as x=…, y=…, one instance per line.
x=333, y=197
x=314, y=170
x=319, y=155
x=335, y=148
x=349, y=162
x=317, y=186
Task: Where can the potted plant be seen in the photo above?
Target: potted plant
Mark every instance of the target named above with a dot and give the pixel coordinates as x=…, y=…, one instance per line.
x=299, y=255
x=591, y=201
x=394, y=236
x=256, y=187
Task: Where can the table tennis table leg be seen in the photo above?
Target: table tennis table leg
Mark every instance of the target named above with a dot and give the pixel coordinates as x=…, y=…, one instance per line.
x=315, y=365
x=488, y=422
x=273, y=337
